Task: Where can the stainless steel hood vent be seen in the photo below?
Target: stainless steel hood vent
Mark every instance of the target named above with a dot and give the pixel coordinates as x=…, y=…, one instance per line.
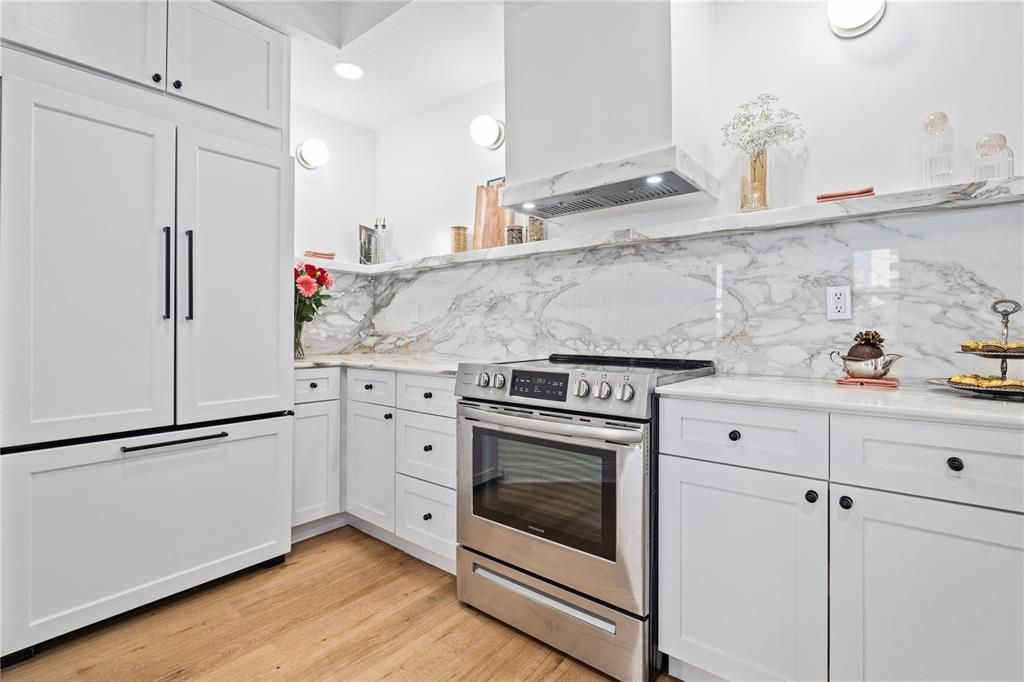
x=659, y=174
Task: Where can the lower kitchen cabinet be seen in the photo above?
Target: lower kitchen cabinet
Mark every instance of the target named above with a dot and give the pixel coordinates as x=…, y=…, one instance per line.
x=93, y=530
x=743, y=586
x=426, y=515
x=370, y=463
x=923, y=589
x=316, y=474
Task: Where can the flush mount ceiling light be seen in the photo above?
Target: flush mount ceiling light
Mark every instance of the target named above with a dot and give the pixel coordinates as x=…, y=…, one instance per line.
x=312, y=153
x=487, y=132
x=349, y=70
x=852, y=18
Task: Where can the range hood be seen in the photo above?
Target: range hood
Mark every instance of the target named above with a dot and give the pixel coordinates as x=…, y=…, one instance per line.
x=658, y=174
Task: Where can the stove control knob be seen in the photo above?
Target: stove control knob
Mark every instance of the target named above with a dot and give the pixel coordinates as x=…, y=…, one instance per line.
x=581, y=389
x=499, y=381
x=483, y=380
x=604, y=390
x=624, y=392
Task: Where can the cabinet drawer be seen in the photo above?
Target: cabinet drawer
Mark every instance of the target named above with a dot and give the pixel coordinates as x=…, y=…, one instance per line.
x=317, y=383
x=789, y=441
x=371, y=386
x=977, y=465
x=425, y=447
x=426, y=515
x=422, y=393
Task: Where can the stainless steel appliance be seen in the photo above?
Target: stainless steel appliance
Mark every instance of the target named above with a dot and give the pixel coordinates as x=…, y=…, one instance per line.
x=555, y=498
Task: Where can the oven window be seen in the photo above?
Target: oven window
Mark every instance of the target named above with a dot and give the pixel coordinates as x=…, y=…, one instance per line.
x=564, y=493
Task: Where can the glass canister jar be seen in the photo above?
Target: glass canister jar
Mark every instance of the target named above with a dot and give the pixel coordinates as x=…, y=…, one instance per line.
x=460, y=238
x=514, y=234
x=534, y=229
x=939, y=151
x=994, y=157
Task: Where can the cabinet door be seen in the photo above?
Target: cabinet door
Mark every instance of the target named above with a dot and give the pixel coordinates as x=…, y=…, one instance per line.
x=924, y=589
x=223, y=59
x=86, y=310
x=93, y=530
x=370, y=463
x=316, y=470
x=743, y=571
x=127, y=38
x=235, y=316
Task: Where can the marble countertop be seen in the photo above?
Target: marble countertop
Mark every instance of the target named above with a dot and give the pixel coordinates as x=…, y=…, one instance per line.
x=916, y=401
x=415, y=364
x=953, y=197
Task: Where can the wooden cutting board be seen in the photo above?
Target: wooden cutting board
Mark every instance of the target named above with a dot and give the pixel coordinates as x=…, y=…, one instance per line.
x=490, y=219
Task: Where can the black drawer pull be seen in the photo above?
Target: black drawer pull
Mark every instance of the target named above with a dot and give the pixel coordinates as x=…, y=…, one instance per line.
x=180, y=441
x=846, y=502
x=177, y=85
x=811, y=496
x=428, y=516
x=428, y=395
x=313, y=385
x=388, y=415
x=157, y=78
x=734, y=435
x=955, y=463
x=368, y=387
x=428, y=448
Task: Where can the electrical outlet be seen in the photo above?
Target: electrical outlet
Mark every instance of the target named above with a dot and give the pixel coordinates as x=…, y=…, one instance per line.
x=838, y=303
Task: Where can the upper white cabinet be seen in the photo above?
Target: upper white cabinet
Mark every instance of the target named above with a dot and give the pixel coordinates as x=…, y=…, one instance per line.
x=234, y=346
x=924, y=590
x=220, y=58
x=127, y=38
x=86, y=295
x=743, y=587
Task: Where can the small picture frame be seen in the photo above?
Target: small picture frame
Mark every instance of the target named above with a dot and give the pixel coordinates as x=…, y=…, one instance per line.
x=369, y=253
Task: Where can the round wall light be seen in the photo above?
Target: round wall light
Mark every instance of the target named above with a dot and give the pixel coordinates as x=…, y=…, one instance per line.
x=312, y=153
x=487, y=132
x=852, y=18
x=349, y=70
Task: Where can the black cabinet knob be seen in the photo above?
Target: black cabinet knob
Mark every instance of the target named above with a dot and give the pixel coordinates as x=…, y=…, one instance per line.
x=177, y=85
x=428, y=395
x=157, y=78
x=846, y=502
x=811, y=496
x=734, y=435
x=388, y=415
x=428, y=448
x=312, y=384
x=955, y=463
x=428, y=516
x=368, y=387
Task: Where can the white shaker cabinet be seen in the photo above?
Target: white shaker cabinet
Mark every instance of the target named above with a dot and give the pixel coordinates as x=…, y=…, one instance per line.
x=94, y=530
x=317, y=475
x=923, y=589
x=743, y=587
x=370, y=463
x=234, y=243
x=126, y=38
x=86, y=310
x=223, y=59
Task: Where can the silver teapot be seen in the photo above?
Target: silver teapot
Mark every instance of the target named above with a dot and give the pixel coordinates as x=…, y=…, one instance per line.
x=857, y=368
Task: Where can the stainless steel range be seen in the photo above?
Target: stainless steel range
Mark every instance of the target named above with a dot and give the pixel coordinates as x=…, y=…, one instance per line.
x=555, y=497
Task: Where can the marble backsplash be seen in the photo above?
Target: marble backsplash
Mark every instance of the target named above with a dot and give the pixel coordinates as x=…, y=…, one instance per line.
x=753, y=303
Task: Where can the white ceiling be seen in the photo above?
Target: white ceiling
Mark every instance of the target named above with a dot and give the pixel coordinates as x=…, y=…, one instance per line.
x=425, y=53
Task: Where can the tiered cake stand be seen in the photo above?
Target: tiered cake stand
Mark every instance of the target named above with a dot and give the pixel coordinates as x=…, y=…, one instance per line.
x=1004, y=308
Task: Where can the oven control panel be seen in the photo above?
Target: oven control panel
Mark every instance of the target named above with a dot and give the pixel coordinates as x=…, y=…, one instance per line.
x=612, y=393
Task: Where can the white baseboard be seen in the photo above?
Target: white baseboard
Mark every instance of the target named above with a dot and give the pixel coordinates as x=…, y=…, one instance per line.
x=690, y=673
x=444, y=563
x=314, y=528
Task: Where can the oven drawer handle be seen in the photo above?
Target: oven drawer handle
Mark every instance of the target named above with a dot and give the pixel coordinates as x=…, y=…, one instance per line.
x=554, y=428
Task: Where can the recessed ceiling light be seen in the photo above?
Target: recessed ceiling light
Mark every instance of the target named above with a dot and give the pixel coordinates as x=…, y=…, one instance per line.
x=653, y=179
x=529, y=204
x=852, y=18
x=349, y=70
x=487, y=132
x=312, y=153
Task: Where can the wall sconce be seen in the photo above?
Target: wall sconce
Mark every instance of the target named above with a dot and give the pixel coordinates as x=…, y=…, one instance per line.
x=852, y=18
x=312, y=153
x=487, y=132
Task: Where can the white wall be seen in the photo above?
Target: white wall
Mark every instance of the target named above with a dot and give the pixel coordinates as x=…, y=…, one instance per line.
x=331, y=201
x=428, y=169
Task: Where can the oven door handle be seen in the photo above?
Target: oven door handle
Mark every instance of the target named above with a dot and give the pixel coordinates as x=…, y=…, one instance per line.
x=554, y=428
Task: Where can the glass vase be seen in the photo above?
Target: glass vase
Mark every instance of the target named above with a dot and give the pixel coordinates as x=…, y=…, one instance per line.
x=299, y=352
x=754, y=185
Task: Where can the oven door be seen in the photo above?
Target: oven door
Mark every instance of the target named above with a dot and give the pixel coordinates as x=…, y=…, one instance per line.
x=562, y=496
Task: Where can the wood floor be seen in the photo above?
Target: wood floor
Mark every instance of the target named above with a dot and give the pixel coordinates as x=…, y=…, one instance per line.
x=344, y=606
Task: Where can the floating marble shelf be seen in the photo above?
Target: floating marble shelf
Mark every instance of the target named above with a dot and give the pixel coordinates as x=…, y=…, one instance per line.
x=953, y=197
